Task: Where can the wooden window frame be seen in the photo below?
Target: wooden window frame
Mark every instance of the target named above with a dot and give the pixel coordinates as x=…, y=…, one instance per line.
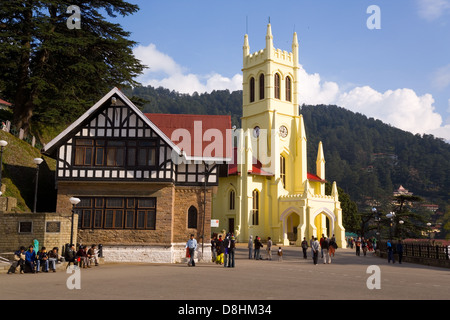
x=252, y=89
x=277, y=82
x=288, y=89
x=255, y=208
x=261, y=87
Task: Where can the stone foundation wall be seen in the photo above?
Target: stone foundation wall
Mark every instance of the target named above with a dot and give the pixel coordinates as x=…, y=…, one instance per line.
x=174, y=253
x=50, y=229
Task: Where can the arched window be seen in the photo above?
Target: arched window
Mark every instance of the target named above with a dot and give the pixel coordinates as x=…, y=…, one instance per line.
x=232, y=200
x=277, y=86
x=283, y=170
x=261, y=87
x=288, y=89
x=192, y=217
x=252, y=89
x=255, y=210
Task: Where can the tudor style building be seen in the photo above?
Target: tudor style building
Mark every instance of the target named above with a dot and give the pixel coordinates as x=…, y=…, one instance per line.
x=141, y=192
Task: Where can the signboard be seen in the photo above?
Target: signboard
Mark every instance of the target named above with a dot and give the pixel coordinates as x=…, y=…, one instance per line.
x=53, y=226
x=214, y=223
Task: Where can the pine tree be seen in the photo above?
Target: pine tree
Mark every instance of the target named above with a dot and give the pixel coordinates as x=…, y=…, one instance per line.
x=54, y=72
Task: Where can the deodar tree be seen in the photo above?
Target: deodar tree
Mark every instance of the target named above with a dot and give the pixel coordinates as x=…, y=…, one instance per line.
x=52, y=72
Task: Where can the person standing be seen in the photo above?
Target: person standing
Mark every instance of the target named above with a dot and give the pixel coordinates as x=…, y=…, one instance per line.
x=326, y=256
x=213, y=248
x=305, y=248
x=250, y=247
x=399, y=249
x=231, y=251
x=191, y=244
x=321, y=249
x=269, y=248
x=315, y=250
x=390, y=251
x=220, y=250
x=280, y=254
x=364, y=246
x=258, y=246
x=358, y=246
x=311, y=244
x=226, y=244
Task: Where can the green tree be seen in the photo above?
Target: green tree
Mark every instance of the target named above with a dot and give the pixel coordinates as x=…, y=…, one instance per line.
x=55, y=73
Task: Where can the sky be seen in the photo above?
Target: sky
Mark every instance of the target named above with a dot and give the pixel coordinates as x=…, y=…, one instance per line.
x=388, y=60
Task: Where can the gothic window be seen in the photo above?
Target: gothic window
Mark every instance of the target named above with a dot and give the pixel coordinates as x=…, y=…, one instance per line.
x=288, y=89
x=283, y=170
x=261, y=87
x=255, y=210
x=277, y=86
x=232, y=196
x=252, y=89
x=192, y=217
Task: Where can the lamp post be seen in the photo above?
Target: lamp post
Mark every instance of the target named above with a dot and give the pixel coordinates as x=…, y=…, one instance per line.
x=37, y=161
x=391, y=216
x=3, y=144
x=401, y=222
x=74, y=201
x=429, y=231
x=204, y=203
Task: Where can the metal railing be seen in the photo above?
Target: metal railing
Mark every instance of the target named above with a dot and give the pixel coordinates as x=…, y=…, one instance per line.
x=419, y=249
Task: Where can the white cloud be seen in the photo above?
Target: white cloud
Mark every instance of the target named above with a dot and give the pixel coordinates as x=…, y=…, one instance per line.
x=165, y=72
x=401, y=108
x=433, y=9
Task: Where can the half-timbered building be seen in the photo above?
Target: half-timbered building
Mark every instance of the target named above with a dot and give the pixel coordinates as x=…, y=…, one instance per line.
x=144, y=180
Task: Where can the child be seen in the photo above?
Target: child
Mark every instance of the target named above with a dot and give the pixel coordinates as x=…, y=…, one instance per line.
x=280, y=254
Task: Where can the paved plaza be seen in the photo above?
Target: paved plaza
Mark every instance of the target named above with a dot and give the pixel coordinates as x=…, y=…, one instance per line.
x=294, y=278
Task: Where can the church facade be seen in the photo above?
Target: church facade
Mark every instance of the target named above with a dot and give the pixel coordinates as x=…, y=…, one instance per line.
x=268, y=191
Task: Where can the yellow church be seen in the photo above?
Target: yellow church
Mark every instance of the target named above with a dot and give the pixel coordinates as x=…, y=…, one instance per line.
x=267, y=191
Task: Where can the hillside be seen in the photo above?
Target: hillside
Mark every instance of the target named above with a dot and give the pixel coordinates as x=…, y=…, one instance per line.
x=19, y=174
x=367, y=158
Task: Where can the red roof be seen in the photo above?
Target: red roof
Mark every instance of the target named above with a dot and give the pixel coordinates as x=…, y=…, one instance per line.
x=315, y=177
x=5, y=103
x=210, y=135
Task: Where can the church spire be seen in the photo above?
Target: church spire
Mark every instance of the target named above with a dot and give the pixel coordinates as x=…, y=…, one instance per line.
x=320, y=162
x=269, y=41
x=246, y=46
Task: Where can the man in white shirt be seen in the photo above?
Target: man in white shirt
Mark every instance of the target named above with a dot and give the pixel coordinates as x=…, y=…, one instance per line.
x=192, y=246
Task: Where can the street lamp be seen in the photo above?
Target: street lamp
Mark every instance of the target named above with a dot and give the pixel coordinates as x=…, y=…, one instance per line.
x=74, y=201
x=429, y=231
x=3, y=144
x=37, y=161
x=391, y=216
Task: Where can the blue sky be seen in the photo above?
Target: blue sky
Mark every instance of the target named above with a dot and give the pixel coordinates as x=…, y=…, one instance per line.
x=399, y=74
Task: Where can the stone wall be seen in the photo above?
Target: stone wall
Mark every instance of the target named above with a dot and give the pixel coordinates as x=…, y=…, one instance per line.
x=21, y=229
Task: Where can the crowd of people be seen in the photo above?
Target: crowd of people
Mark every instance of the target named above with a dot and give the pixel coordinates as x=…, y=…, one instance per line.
x=30, y=261
x=360, y=243
x=223, y=250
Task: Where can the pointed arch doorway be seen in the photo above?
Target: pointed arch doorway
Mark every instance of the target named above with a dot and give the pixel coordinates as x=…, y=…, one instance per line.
x=323, y=222
x=291, y=224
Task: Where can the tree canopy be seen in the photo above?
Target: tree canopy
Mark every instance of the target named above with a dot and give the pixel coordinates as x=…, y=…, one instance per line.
x=52, y=72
